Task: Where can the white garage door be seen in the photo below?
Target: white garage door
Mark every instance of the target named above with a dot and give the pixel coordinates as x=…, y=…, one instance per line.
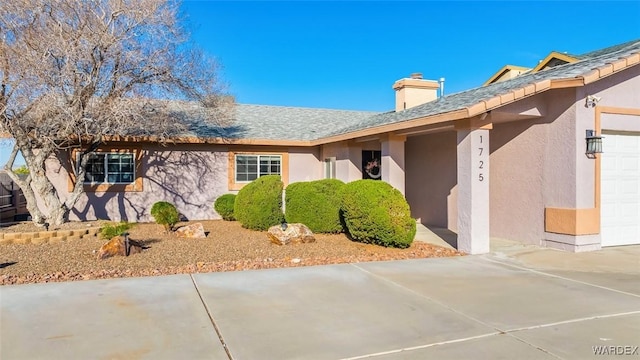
x=620, y=194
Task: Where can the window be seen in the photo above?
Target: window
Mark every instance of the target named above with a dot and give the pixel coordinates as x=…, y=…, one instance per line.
x=330, y=168
x=248, y=163
x=251, y=167
x=112, y=168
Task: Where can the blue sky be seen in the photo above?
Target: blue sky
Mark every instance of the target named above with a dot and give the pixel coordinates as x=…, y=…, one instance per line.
x=346, y=55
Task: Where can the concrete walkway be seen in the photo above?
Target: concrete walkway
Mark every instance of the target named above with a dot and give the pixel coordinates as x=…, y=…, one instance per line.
x=519, y=302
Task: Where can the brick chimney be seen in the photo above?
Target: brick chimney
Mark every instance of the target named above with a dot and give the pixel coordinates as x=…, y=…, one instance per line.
x=414, y=91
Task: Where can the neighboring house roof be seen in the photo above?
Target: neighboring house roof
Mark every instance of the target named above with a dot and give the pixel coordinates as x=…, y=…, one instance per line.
x=505, y=70
x=552, y=60
x=556, y=58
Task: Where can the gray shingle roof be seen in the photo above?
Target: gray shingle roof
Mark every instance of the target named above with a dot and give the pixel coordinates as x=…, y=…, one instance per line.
x=294, y=123
x=604, y=51
x=470, y=97
x=262, y=122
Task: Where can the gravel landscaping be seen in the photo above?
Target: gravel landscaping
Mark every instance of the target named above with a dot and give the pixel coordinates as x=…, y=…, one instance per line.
x=227, y=247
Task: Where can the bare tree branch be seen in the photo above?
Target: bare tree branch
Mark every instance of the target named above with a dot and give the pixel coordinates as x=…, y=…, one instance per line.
x=74, y=72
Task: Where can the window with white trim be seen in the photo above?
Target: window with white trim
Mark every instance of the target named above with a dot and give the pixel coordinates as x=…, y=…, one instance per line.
x=111, y=168
x=251, y=167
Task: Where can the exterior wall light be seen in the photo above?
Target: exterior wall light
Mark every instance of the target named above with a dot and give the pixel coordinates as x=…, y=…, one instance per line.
x=591, y=101
x=594, y=144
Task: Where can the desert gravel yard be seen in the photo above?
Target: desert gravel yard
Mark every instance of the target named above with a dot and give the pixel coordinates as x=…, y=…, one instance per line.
x=227, y=247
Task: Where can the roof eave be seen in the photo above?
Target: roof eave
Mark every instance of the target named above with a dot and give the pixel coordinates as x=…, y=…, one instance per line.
x=198, y=140
x=476, y=109
x=493, y=103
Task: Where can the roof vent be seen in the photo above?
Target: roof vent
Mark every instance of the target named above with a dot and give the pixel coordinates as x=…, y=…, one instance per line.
x=416, y=76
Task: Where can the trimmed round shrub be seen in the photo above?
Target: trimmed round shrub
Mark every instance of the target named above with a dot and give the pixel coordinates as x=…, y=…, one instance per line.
x=376, y=213
x=166, y=214
x=258, y=205
x=224, y=206
x=315, y=204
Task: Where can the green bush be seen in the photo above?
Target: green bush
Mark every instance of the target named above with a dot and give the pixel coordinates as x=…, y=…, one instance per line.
x=315, y=204
x=111, y=230
x=376, y=213
x=258, y=205
x=165, y=214
x=21, y=170
x=224, y=206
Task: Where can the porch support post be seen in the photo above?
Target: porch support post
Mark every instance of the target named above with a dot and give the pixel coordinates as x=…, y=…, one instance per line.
x=392, y=166
x=473, y=189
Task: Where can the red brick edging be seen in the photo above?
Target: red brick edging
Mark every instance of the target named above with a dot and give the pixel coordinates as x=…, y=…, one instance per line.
x=50, y=237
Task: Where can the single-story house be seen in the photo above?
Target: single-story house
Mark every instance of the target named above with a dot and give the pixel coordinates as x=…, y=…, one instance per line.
x=516, y=158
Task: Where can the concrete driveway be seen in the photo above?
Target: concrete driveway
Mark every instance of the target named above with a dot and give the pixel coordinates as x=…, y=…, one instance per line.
x=519, y=302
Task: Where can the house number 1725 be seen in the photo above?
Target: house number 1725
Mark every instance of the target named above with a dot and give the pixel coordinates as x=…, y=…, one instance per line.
x=481, y=152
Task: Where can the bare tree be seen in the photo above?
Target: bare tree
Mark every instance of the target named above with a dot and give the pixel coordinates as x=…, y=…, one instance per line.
x=73, y=73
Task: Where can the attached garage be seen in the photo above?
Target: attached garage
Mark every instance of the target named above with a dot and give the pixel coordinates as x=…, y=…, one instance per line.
x=620, y=196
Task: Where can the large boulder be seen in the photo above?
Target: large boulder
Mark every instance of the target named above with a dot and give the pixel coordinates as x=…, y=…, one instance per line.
x=293, y=234
x=191, y=231
x=117, y=247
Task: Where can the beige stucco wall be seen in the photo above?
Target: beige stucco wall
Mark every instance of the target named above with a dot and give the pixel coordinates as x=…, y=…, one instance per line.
x=348, y=159
x=541, y=163
x=618, y=90
x=533, y=167
x=431, y=178
x=305, y=164
x=189, y=176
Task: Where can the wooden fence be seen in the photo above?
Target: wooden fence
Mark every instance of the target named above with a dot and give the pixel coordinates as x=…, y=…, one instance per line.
x=12, y=202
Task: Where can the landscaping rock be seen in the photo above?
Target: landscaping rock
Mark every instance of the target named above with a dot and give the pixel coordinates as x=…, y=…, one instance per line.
x=191, y=231
x=294, y=234
x=116, y=246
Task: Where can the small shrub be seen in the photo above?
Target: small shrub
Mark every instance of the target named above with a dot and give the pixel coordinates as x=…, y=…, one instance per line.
x=165, y=214
x=111, y=230
x=258, y=205
x=21, y=170
x=315, y=204
x=376, y=213
x=224, y=206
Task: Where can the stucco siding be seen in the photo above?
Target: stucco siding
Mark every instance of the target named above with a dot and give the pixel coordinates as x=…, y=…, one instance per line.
x=348, y=158
x=542, y=163
x=431, y=178
x=516, y=181
x=305, y=164
x=532, y=167
x=559, y=149
x=191, y=177
x=618, y=90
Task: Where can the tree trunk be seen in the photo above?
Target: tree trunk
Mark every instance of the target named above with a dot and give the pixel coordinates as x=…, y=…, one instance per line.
x=56, y=211
x=32, y=203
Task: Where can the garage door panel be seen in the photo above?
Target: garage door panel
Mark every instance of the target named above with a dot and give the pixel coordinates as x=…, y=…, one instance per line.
x=620, y=191
x=629, y=164
x=628, y=187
